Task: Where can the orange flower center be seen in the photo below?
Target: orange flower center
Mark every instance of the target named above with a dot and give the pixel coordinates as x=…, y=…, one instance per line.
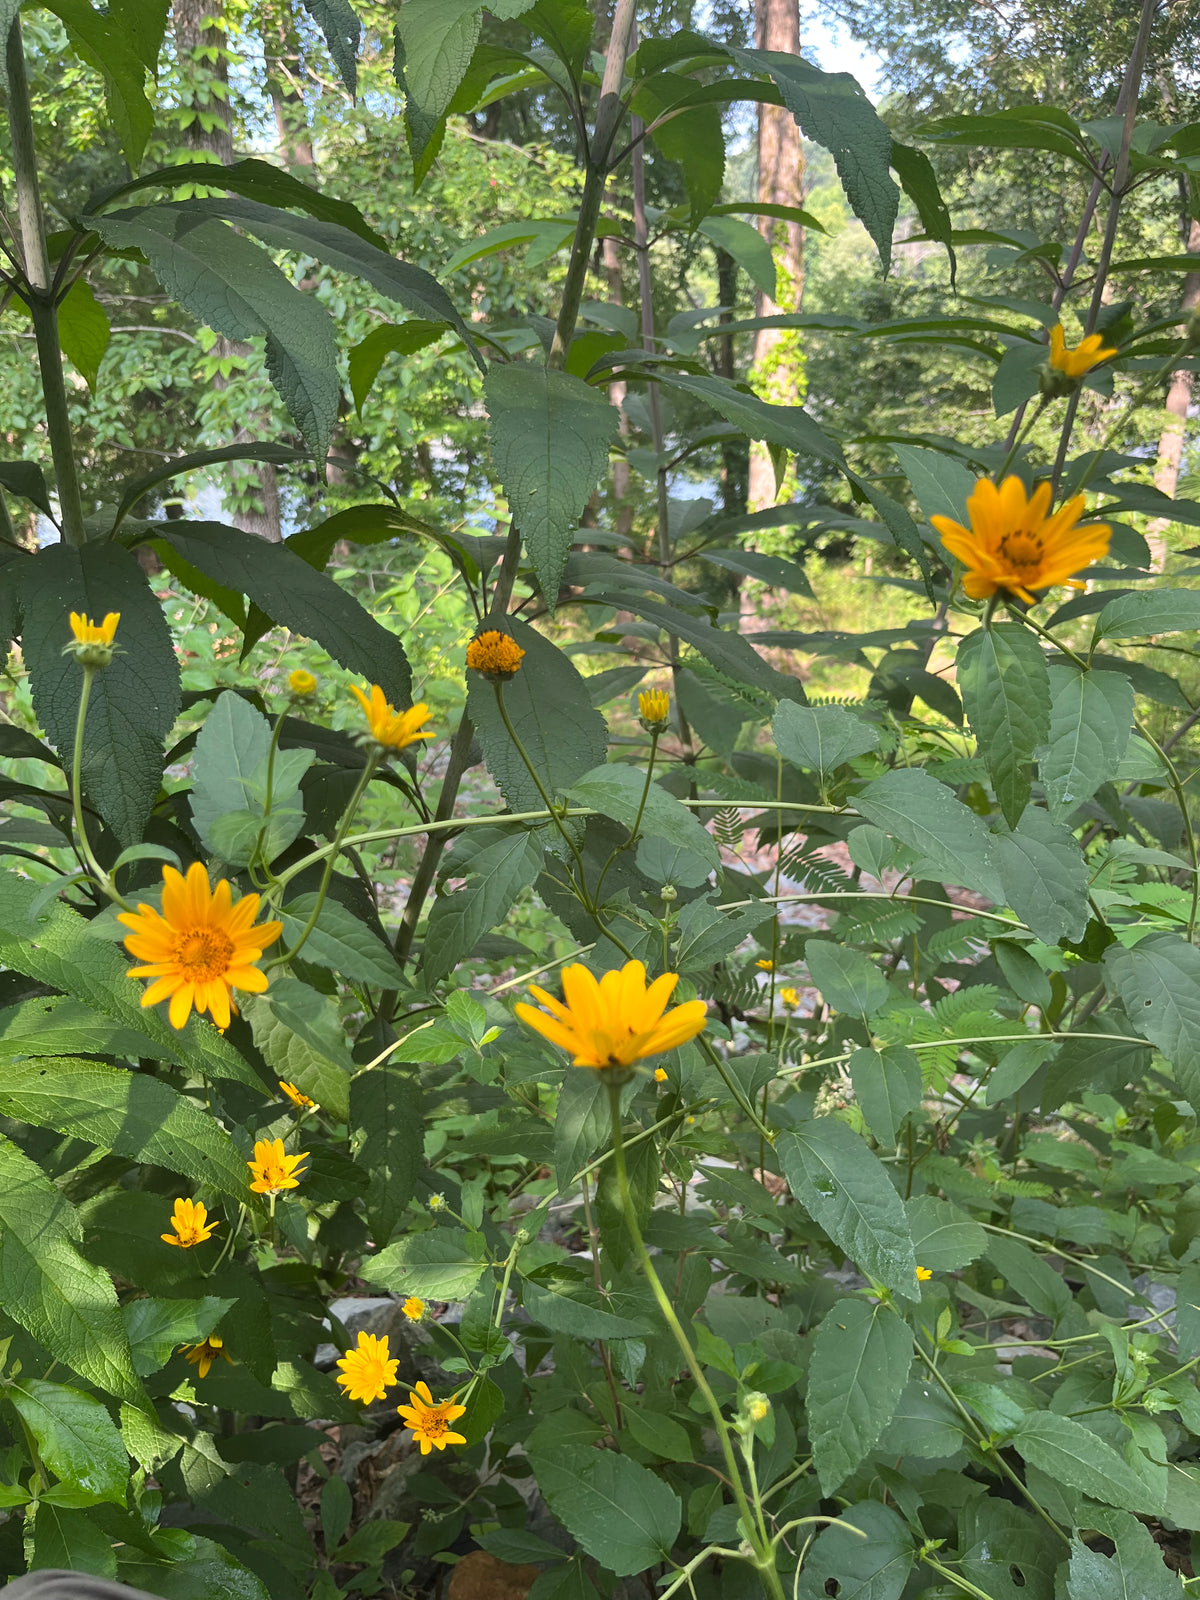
x=1022, y=550
x=433, y=1424
x=204, y=954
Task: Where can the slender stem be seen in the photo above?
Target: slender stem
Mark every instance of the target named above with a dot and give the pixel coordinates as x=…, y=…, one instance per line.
x=85, y=849
x=428, y=865
x=745, y=1106
x=40, y=290
x=1189, y=831
x=339, y=840
x=958, y=1581
x=537, y=782
x=637, y=821
x=1003, y=1038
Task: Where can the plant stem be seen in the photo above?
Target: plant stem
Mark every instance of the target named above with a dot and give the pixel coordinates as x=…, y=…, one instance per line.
x=538, y=784
x=39, y=287
x=434, y=848
x=1189, y=831
x=85, y=849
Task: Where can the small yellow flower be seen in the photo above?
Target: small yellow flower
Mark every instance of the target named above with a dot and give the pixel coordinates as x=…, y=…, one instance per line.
x=660, y=1074
x=191, y=1224
x=494, y=654
x=394, y=730
x=616, y=1021
x=93, y=642
x=430, y=1423
x=413, y=1308
x=758, y=1407
x=367, y=1371
x=301, y=683
x=203, y=1355
x=1088, y=353
x=300, y=1101
x=765, y=964
x=654, y=706
x=924, y=1274
x=790, y=998
x=200, y=947
x=1014, y=543
x=437, y=1202
x=273, y=1170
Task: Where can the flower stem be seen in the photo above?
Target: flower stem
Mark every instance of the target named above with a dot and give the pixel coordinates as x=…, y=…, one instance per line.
x=102, y=878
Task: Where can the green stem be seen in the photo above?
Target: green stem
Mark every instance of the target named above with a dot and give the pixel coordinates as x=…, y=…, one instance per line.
x=1020, y=439
x=745, y=1106
x=436, y=844
x=637, y=821
x=272, y=751
x=85, y=849
x=1004, y=1038
x=1189, y=832
x=498, y=686
x=964, y=1584
x=764, y=1559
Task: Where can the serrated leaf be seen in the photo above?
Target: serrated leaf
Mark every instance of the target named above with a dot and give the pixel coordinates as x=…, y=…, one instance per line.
x=300, y=1036
x=442, y=1264
x=1091, y=718
x=1140, y=614
x=616, y=790
x=233, y=744
x=498, y=865
x=855, y=1568
x=58, y=1025
x=887, y=1087
x=788, y=427
x=738, y=239
x=951, y=841
x=156, y=1328
x=848, y=980
x=860, y=1364
x=621, y=1513
x=1134, y=1571
x=76, y=1439
x=944, y=1237
x=83, y=331
x=339, y=23
x=26, y=479
x=1158, y=981
x=385, y=1116
x=1072, y=1454
x=369, y=354
x=1044, y=876
x=821, y=738
x=845, y=1189
x=577, y=1315
x=550, y=434
x=105, y=46
x=341, y=942
x=1005, y=687
x=774, y=571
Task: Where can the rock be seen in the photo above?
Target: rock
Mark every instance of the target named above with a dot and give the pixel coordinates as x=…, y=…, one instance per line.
x=479, y=1576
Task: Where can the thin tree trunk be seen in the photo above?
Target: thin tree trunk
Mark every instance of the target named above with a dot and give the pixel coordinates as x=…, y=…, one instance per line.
x=204, y=73
x=291, y=118
x=780, y=182
x=1179, y=397
x=622, y=498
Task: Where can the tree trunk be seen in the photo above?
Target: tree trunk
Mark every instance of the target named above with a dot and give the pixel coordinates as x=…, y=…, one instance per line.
x=291, y=118
x=621, y=487
x=1179, y=396
x=199, y=28
x=780, y=182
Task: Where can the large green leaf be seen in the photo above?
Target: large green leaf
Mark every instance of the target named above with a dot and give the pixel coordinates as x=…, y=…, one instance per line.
x=339, y=22
x=229, y=785
x=578, y=1315
x=943, y=1236
x=1134, y=1571
x=621, y=1513
x=951, y=841
x=76, y=1439
x=83, y=331
x=821, y=738
x=68, y=1305
x=1142, y=613
x=887, y=1087
x=1091, y=718
x=442, y=1264
x=618, y=791
x=1044, y=875
x=843, y=1563
x=1005, y=688
x=1074, y=1455
x=847, y=979
x=292, y=593
x=59, y=1025
x=693, y=137
x=301, y=1038
x=130, y=1113
x=369, y=354
x=860, y=1362
x=550, y=435
x=102, y=44
x=385, y=1116
x=739, y=239
x=157, y=1328
x=497, y=864
x=236, y=289
x=134, y=702
x=789, y=427
x=341, y=942
x=1158, y=981
x=845, y=1188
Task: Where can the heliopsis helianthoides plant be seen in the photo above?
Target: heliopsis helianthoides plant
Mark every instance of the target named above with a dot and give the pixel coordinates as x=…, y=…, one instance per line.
x=1078, y=361
x=367, y=1371
x=391, y=731
x=1015, y=544
x=202, y=1355
x=430, y=1419
x=273, y=1170
x=191, y=1225
x=613, y=1022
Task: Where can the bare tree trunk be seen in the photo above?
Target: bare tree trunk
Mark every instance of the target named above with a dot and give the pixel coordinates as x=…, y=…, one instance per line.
x=622, y=498
x=780, y=182
x=1179, y=396
x=199, y=28
x=291, y=118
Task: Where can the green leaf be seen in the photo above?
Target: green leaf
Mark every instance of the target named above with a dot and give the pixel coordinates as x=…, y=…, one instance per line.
x=788, y=427
x=861, y=1357
x=1015, y=128
x=887, y=1087
x=1018, y=377
x=369, y=354
x=58, y=1025
x=236, y=289
x=919, y=182
x=498, y=865
x=157, y=1328
x=944, y=1237
x=1158, y=981
x=374, y=1539
x=581, y=1123
x=1072, y=1454
x=27, y=480
x=129, y=1113
x=577, y=1315
x=707, y=935
x=951, y=841
x=291, y=593
x=941, y=483
x=301, y=1038
x=617, y=791
x=69, y=1539
x=385, y=1114
x=832, y=109
x=845, y=1188
x=1044, y=876
x=739, y=239
x=550, y=435
x=548, y=704
x=67, y=1304
x=339, y=22
x=76, y=1439
x=83, y=331
x=872, y=1568
x=662, y=1435
x=621, y=1513
x=134, y=702
x=1138, y=615
x=232, y=746
x=774, y=571
x=1091, y=717
x=341, y=942
x=1134, y=1571
x=847, y=979
x=442, y=1264
x=694, y=138
x=821, y=738
x=104, y=46
x=435, y=41
x=1005, y=687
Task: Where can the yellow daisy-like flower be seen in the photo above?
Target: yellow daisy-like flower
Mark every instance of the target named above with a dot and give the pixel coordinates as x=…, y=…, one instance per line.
x=92, y=645
x=437, y=1202
x=302, y=683
x=765, y=964
x=203, y=1355
x=654, y=708
x=1014, y=543
x=413, y=1308
x=300, y=1101
x=1088, y=353
x=273, y=1170
x=496, y=655
x=191, y=1224
x=200, y=947
x=394, y=730
x=367, y=1372
x=430, y=1423
x=660, y=1074
x=789, y=997
x=616, y=1021
x=924, y=1274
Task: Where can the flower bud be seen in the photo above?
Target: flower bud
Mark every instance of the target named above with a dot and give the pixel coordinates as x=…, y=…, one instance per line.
x=92, y=645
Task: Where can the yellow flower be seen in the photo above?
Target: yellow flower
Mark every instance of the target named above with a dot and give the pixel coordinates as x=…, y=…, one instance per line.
x=273, y=1170
x=413, y=1308
x=618, y=1020
x=1014, y=544
x=790, y=998
x=301, y=683
x=191, y=1224
x=660, y=1074
x=430, y=1423
x=203, y=1355
x=496, y=655
x=93, y=641
x=1088, y=353
x=201, y=946
x=765, y=964
x=300, y=1101
x=758, y=1407
x=393, y=729
x=367, y=1372
x=924, y=1274
x=437, y=1202
x=654, y=706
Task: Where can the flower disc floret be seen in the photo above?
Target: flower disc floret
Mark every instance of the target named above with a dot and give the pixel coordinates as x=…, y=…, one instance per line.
x=92, y=644
x=430, y=1421
x=614, y=1022
x=392, y=729
x=200, y=947
x=1014, y=543
x=367, y=1372
x=273, y=1170
x=191, y=1224
x=494, y=654
x=1077, y=362
x=301, y=683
